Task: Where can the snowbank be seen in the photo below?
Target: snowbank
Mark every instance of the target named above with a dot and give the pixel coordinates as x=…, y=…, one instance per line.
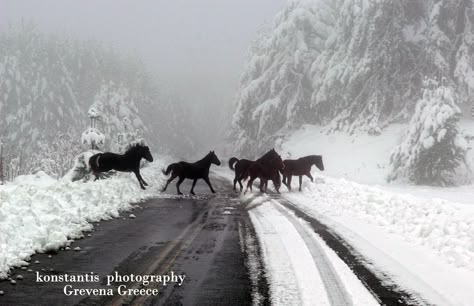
x=446, y=228
x=425, y=244
x=38, y=213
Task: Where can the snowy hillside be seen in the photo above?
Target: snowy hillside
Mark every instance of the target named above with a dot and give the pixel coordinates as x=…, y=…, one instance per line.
x=39, y=214
x=48, y=83
x=356, y=65
x=359, y=158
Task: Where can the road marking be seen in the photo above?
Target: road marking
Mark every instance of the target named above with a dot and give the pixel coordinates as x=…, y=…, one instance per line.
x=168, y=256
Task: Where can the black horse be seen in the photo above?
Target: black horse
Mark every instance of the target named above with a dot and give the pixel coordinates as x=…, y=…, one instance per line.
x=128, y=162
x=266, y=168
x=193, y=171
x=300, y=167
x=241, y=170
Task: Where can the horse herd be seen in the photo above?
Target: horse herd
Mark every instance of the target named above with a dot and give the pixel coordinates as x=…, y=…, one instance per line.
x=266, y=168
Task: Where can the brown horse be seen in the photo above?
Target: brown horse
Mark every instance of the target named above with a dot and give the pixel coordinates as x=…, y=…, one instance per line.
x=266, y=168
x=241, y=167
x=300, y=167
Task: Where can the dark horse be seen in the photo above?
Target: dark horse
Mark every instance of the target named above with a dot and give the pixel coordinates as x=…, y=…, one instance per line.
x=241, y=170
x=193, y=171
x=266, y=168
x=300, y=167
x=127, y=162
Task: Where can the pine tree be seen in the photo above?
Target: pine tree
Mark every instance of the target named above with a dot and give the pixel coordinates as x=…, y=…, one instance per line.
x=433, y=147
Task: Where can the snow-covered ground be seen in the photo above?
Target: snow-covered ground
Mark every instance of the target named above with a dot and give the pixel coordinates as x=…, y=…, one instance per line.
x=299, y=265
x=362, y=158
x=38, y=213
x=425, y=245
x=421, y=236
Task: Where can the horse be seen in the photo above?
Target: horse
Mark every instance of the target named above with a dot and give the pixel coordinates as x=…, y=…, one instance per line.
x=127, y=162
x=300, y=167
x=241, y=170
x=266, y=168
x=194, y=171
x=274, y=176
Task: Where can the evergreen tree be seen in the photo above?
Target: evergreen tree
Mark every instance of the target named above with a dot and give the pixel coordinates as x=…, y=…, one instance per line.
x=433, y=148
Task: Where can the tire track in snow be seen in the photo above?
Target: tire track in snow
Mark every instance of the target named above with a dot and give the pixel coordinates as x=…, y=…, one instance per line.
x=384, y=293
x=261, y=224
x=335, y=288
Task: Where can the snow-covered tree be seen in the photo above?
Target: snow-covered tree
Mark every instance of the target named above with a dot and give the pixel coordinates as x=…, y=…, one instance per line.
x=276, y=86
x=353, y=65
x=47, y=81
x=433, y=147
x=92, y=137
x=55, y=157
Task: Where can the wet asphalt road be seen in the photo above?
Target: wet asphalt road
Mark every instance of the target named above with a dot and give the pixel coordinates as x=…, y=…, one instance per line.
x=194, y=236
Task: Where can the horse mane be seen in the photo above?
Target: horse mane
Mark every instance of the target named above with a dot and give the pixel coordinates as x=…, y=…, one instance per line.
x=134, y=148
x=205, y=158
x=272, y=151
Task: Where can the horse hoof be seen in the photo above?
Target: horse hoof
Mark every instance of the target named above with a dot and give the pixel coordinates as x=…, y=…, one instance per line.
x=193, y=193
x=143, y=188
x=180, y=193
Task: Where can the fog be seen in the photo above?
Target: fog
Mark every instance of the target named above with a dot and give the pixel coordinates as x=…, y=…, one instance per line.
x=195, y=47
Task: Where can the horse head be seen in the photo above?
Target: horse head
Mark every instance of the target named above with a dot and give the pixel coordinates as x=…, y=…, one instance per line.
x=273, y=159
x=146, y=154
x=140, y=151
x=214, y=158
x=318, y=161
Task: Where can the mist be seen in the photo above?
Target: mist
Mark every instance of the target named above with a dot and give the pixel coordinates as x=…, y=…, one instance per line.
x=194, y=48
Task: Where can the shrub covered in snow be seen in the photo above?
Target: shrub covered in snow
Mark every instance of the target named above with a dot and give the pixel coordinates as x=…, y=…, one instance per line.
x=433, y=147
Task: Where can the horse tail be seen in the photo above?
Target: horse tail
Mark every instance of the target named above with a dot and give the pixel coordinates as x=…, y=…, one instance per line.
x=169, y=169
x=232, y=161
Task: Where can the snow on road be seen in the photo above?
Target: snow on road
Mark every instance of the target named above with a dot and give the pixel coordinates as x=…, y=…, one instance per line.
x=38, y=213
x=301, y=269
x=425, y=245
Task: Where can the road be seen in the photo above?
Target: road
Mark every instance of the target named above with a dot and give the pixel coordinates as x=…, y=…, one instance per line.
x=195, y=236
x=207, y=238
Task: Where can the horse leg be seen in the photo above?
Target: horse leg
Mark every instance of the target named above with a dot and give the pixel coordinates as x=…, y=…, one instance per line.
x=310, y=176
x=139, y=178
x=284, y=179
x=301, y=181
x=96, y=176
x=192, y=188
x=249, y=185
x=206, y=179
x=181, y=179
x=276, y=185
x=288, y=182
x=241, y=186
x=173, y=176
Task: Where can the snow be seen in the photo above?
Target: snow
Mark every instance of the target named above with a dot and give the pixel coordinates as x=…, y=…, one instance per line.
x=39, y=214
x=415, y=240
x=362, y=158
x=293, y=276
x=93, y=136
x=421, y=237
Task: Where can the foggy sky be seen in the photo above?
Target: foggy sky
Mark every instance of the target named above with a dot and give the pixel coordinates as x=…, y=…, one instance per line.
x=197, y=45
